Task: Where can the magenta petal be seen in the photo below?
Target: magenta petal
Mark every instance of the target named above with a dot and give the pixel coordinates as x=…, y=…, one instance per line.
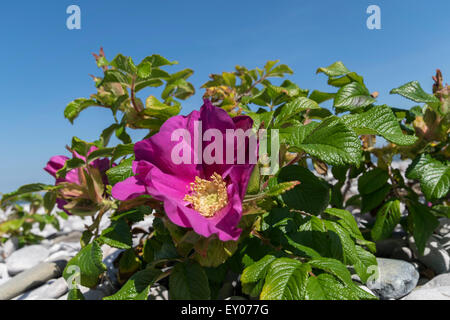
x=157, y=175
x=128, y=189
x=55, y=163
x=161, y=185
x=243, y=122
x=158, y=148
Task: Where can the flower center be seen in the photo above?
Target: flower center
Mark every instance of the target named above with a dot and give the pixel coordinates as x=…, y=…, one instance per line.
x=208, y=196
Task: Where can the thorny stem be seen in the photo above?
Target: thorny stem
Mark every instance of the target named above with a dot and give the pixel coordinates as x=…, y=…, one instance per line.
x=95, y=225
x=301, y=212
x=246, y=93
x=395, y=185
x=133, y=100
x=264, y=240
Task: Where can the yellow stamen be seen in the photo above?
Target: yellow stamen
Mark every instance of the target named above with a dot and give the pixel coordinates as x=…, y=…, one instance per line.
x=208, y=196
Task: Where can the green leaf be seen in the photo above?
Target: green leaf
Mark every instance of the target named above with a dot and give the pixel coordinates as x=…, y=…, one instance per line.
x=326, y=287
x=351, y=253
x=279, y=71
x=188, y=281
x=141, y=84
x=124, y=64
x=372, y=180
x=301, y=249
x=157, y=60
x=133, y=215
x=298, y=134
x=254, y=183
x=334, y=267
x=319, y=96
x=144, y=69
x=89, y=262
x=117, y=235
x=29, y=188
x=346, y=79
x=69, y=165
x=332, y=142
x=280, y=188
x=319, y=114
x=349, y=223
x=339, y=270
x=10, y=226
x=122, y=134
x=379, y=120
x=122, y=150
x=337, y=69
x=217, y=253
x=286, y=280
x=422, y=222
x=114, y=76
x=138, y=286
x=157, y=109
x=311, y=195
x=293, y=108
x=75, y=294
x=80, y=146
x=413, y=91
x=49, y=201
x=107, y=133
x=434, y=176
x=253, y=277
x=442, y=210
x=74, y=108
x=386, y=220
x=352, y=96
x=100, y=153
x=365, y=260
x=372, y=200
x=121, y=172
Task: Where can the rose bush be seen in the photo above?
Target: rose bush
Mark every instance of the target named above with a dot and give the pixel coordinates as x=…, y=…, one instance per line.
x=284, y=226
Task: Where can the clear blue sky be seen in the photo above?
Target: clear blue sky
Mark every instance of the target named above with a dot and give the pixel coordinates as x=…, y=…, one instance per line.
x=44, y=65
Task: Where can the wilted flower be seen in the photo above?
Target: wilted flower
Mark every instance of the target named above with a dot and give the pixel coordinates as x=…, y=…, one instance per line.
x=74, y=176
x=205, y=196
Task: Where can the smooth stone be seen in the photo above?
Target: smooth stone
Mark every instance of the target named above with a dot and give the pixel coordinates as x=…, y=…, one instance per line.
x=74, y=223
x=9, y=247
x=444, y=227
x=31, y=278
x=60, y=255
x=54, y=248
x=48, y=231
x=109, y=256
x=235, y=298
x=158, y=292
x=4, y=276
x=422, y=281
x=74, y=236
x=438, y=293
x=26, y=258
x=442, y=280
x=367, y=290
x=64, y=297
x=385, y=248
x=70, y=246
x=445, y=242
x=402, y=253
x=101, y=291
x=434, y=256
x=396, y=278
x=402, y=165
x=53, y=289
